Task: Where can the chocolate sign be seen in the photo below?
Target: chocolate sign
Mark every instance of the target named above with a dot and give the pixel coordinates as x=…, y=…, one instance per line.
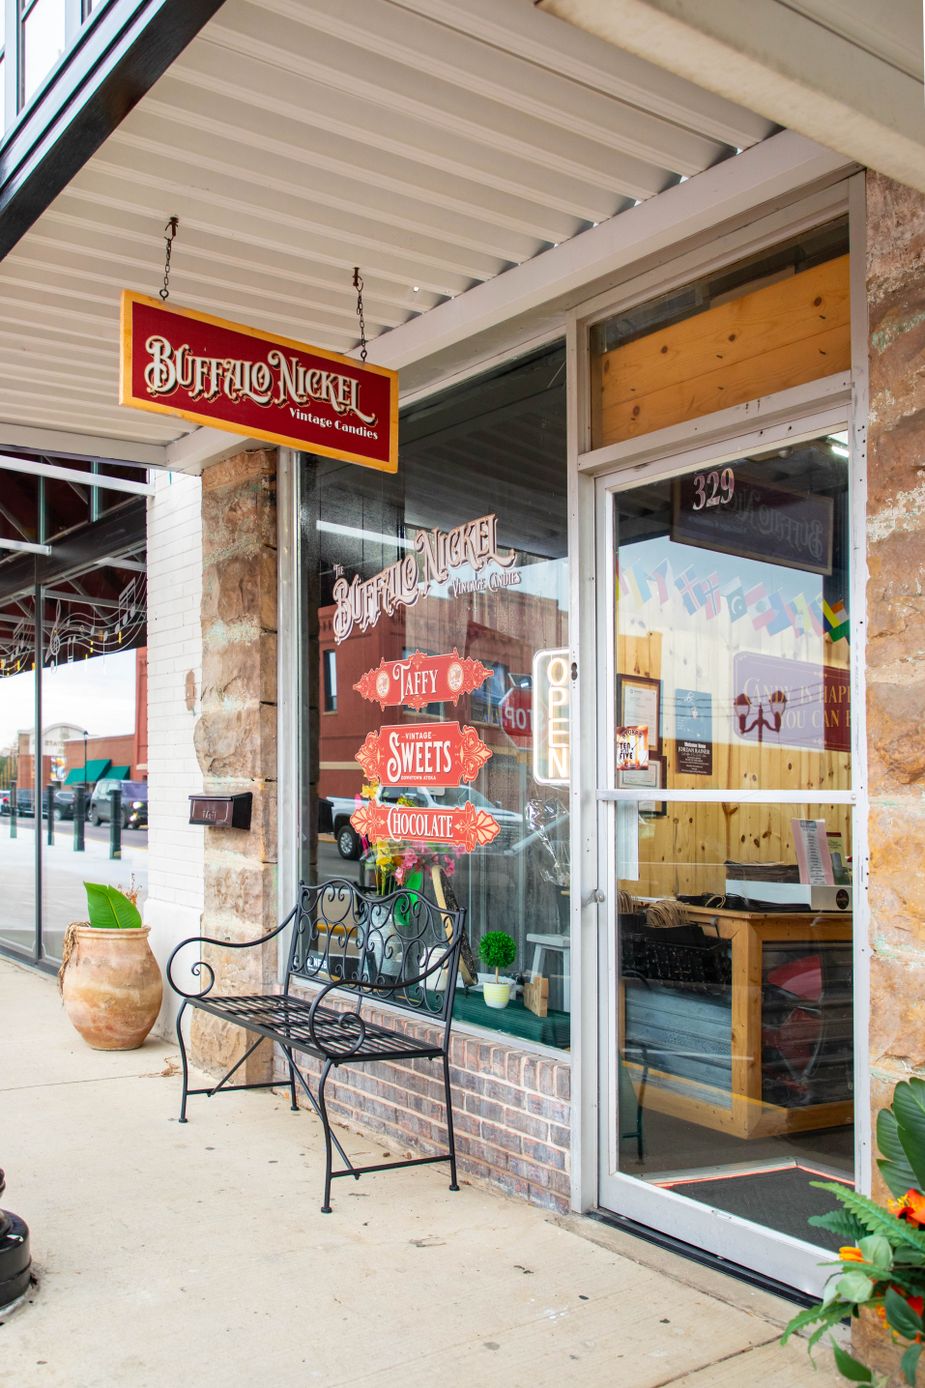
x=421, y=679
x=468, y=827
x=423, y=754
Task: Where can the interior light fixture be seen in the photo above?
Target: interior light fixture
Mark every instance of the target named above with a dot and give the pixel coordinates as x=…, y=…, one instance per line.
x=839, y=444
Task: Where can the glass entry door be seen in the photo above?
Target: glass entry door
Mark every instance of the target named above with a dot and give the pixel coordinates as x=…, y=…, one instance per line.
x=725, y=824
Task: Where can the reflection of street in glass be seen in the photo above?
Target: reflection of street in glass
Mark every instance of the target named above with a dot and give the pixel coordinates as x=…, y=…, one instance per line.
x=64, y=873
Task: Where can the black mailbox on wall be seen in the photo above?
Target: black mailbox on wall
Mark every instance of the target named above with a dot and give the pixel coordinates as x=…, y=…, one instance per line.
x=221, y=811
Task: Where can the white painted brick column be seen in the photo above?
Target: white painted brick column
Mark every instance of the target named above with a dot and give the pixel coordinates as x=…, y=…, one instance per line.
x=173, y=908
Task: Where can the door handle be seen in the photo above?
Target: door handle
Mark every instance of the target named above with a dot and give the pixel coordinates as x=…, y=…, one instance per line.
x=596, y=897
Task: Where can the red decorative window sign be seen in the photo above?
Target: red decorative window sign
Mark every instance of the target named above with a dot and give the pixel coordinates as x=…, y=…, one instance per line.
x=422, y=679
x=423, y=754
x=468, y=827
x=210, y=371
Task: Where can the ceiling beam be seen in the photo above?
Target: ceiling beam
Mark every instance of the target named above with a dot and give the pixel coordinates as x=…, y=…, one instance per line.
x=91, y=448
x=33, y=468
x=788, y=66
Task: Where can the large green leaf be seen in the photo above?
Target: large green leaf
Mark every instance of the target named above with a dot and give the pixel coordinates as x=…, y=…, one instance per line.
x=849, y=1367
x=901, y=1315
x=828, y=1315
x=878, y=1252
x=855, y=1286
x=110, y=909
x=893, y=1163
x=910, y=1362
x=909, y=1108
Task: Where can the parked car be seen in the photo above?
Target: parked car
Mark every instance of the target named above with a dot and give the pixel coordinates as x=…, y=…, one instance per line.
x=64, y=802
x=25, y=801
x=134, y=803
x=334, y=813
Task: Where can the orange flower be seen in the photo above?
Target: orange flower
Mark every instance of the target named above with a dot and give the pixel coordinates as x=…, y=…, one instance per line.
x=910, y=1207
x=850, y=1254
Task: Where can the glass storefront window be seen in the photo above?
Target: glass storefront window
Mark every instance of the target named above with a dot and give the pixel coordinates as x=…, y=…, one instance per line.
x=43, y=41
x=732, y=1079
x=431, y=596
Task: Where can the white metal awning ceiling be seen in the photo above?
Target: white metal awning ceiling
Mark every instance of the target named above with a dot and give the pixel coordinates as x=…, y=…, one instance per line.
x=435, y=143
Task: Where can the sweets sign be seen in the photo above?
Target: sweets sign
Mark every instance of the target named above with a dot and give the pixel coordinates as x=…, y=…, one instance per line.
x=178, y=362
x=423, y=754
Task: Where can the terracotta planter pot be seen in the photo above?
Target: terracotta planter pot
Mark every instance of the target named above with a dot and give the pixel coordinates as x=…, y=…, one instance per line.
x=112, y=987
x=871, y=1343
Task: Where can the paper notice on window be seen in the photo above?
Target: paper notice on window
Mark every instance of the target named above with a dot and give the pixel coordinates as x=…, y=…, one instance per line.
x=812, y=849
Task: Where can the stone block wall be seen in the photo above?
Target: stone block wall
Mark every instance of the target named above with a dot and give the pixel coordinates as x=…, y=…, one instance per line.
x=511, y=1110
x=895, y=615
x=235, y=739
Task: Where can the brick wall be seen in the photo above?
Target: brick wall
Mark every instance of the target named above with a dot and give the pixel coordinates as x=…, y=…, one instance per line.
x=511, y=1110
x=173, y=907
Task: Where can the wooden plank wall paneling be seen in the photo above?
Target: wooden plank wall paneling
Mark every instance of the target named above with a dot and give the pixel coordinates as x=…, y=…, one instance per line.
x=782, y=335
x=686, y=850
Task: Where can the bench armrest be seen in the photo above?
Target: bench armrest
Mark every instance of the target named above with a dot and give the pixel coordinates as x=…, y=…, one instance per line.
x=203, y=964
x=359, y=987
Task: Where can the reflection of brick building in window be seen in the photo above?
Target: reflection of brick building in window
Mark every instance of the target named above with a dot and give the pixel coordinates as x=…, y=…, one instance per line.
x=502, y=630
x=63, y=749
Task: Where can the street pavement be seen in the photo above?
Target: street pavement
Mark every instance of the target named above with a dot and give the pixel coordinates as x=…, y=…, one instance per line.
x=169, y=1254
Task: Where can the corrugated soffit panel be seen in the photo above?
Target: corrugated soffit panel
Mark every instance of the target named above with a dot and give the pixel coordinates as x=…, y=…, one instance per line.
x=436, y=143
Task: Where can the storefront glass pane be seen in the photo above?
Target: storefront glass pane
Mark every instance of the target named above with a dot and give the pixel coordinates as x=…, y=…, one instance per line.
x=733, y=621
x=735, y=1067
x=17, y=788
x=443, y=650
x=732, y=1010
x=43, y=39
x=98, y=697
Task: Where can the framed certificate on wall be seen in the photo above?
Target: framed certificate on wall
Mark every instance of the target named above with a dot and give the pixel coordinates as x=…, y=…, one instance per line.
x=639, y=704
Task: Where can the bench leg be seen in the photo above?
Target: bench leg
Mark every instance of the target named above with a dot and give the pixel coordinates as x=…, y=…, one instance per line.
x=183, y=1063
x=323, y=1112
x=292, y=1099
x=454, y=1184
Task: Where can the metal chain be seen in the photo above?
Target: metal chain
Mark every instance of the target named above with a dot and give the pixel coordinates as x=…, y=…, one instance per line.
x=170, y=231
x=358, y=286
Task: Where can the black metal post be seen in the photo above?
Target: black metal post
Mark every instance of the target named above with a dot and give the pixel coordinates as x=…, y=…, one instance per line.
x=115, y=823
x=14, y=804
x=50, y=812
x=80, y=814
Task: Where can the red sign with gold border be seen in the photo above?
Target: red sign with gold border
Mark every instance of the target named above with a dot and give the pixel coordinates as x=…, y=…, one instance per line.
x=470, y=827
x=421, y=679
x=423, y=754
x=179, y=362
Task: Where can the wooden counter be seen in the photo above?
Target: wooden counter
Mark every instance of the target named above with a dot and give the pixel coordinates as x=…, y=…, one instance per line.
x=740, y=1108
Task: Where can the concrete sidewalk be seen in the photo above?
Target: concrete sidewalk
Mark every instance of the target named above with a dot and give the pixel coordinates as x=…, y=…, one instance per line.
x=198, y=1254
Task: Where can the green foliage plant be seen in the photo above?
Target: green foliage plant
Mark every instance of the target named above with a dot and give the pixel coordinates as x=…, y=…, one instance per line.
x=881, y=1264
x=497, y=951
x=110, y=909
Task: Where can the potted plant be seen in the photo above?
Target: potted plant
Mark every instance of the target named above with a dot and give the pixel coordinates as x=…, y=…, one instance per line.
x=879, y=1277
x=497, y=951
x=109, y=979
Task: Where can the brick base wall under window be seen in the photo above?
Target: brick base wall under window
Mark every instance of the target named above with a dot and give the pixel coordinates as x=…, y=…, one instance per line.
x=511, y=1109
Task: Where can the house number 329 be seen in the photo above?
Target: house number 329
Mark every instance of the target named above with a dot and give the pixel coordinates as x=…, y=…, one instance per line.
x=714, y=488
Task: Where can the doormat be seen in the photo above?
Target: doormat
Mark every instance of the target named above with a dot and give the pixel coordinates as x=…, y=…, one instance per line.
x=782, y=1198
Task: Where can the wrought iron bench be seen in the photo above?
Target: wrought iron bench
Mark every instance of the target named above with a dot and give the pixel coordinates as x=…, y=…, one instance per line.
x=400, y=949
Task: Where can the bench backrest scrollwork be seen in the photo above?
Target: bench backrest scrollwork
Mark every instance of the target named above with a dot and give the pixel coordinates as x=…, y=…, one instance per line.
x=400, y=948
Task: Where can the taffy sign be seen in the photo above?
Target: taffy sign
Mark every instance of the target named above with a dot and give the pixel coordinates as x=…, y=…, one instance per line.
x=423, y=754
x=421, y=679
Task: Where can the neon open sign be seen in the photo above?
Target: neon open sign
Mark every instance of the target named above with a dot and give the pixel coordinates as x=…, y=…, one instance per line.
x=552, y=737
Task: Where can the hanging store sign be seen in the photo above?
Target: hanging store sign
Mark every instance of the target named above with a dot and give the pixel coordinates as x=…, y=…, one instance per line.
x=178, y=362
x=474, y=544
x=470, y=828
x=423, y=754
x=420, y=679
